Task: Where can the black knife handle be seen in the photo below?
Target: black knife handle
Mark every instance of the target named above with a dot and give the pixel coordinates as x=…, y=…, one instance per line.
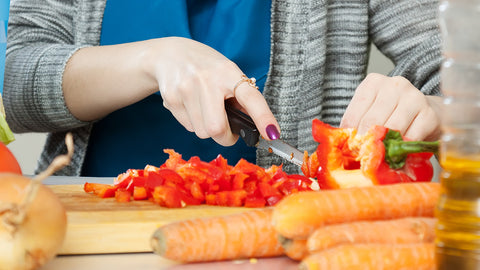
x=243, y=125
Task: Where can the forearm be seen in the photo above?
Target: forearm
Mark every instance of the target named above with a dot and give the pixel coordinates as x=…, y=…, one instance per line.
x=42, y=36
x=99, y=80
x=410, y=38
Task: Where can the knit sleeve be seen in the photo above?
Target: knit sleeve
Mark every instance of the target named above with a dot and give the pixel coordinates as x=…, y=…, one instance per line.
x=407, y=32
x=40, y=42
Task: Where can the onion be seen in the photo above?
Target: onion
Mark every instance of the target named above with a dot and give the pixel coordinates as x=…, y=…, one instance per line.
x=33, y=221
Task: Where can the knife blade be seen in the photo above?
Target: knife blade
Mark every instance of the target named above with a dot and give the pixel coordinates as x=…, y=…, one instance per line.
x=243, y=125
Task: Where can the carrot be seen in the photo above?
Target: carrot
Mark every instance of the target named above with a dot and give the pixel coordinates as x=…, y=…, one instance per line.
x=395, y=231
x=373, y=256
x=295, y=249
x=298, y=215
x=244, y=235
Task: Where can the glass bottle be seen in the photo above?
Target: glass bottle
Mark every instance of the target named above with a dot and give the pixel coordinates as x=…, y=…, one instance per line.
x=458, y=209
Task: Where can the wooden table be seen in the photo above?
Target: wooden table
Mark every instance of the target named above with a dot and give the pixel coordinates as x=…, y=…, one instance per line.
x=147, y=260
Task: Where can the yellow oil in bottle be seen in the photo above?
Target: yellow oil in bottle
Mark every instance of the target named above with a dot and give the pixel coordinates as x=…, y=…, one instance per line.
x=458, y=213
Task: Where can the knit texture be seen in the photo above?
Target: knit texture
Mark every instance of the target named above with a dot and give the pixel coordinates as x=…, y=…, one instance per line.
x=319, y=55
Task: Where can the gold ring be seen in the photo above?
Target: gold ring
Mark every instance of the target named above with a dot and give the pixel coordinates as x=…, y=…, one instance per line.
x=250, y=81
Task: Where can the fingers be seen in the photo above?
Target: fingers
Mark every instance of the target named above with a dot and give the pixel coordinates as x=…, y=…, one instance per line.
x=208, y=117
x=425, y=126
x=202, y=110
x=363, y=99
x=195, y=80
x=198, y=104
x=215, y=120
x=392, y=102
x=255, y=105
x=409, y=110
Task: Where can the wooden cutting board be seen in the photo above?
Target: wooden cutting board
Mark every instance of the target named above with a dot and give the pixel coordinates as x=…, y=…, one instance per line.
x=99, y=226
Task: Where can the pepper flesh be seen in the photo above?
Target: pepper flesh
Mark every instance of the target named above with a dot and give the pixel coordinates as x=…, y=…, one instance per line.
x=344, y=159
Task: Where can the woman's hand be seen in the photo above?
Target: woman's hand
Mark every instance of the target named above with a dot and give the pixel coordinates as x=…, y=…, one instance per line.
x=395, y=103
x=194, y=80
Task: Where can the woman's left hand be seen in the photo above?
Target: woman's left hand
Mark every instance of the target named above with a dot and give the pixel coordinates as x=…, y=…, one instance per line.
x=395, y=103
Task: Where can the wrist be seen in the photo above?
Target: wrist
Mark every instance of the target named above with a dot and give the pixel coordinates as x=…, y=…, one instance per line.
x=146, y=59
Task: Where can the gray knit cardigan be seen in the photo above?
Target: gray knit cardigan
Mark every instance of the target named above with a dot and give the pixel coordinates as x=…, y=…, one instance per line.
x=319, y=55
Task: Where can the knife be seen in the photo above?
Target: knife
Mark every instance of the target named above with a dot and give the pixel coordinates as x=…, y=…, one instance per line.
x=243, y=125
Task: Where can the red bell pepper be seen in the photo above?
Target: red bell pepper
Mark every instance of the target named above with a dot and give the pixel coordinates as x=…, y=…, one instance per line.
x=381, y=156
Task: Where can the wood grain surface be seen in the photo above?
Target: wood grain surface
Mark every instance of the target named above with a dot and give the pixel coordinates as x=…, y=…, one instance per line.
x=102, y=226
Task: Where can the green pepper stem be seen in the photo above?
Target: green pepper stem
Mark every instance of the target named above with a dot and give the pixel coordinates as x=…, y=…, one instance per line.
x=396, y=149
x=403, y=148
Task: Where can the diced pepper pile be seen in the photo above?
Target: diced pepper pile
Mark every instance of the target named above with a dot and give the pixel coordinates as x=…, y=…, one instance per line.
x=178, y=183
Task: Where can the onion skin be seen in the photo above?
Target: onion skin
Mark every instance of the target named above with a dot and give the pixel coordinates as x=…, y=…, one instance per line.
x=37, y=239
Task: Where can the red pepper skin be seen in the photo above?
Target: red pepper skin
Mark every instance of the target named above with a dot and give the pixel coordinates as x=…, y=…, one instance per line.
x=418, y=167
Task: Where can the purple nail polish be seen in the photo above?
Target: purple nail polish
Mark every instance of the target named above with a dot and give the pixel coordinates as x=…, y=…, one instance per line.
x=272, y=132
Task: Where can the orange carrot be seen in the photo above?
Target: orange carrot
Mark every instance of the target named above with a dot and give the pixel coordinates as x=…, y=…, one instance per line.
x=244, y=235
x=419, y=256
x=394, y=231
x=298, y=215
x=295, y=249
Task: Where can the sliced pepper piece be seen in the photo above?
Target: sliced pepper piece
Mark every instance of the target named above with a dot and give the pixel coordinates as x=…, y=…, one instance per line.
x=381, y=156
x=254, y=201
x=123, y=195
x=331, y=154
x=167, y=197
x=140, y=193
x=101, y=190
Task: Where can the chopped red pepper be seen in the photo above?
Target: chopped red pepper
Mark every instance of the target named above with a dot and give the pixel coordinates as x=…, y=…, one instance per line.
x=168, y=197
x=140, y=193
x=178, y=183
x=254, y=201
x=101, y=190
x=381, y=156
x=197, y=191
x=123, y=195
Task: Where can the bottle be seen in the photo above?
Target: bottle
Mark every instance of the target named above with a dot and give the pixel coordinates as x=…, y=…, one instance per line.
x=458, y=209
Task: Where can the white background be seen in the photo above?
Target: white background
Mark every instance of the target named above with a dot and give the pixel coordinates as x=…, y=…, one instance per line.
x=28, y=146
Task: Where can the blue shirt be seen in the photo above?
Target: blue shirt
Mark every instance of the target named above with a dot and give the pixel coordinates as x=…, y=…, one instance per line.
x=136, y=135
x=4, y=9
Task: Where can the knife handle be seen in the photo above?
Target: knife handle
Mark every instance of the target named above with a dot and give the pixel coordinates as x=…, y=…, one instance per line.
x=243, y=125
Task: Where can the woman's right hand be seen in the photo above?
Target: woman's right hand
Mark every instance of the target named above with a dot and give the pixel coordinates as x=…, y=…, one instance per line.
x=194, y=81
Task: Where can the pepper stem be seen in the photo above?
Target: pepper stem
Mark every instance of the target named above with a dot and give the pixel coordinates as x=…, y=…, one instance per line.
x=397, y=150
